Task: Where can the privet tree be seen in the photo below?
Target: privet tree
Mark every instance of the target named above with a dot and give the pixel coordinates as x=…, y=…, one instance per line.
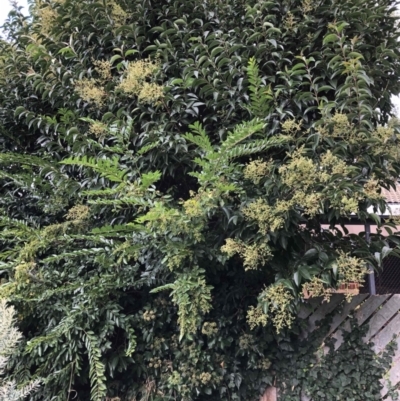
x=165, y=171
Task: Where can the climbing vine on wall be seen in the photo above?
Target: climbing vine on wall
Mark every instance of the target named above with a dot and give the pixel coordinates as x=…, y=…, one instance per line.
x=312, y=367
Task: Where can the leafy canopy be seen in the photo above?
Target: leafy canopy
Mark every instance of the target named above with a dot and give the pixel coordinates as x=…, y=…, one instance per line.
x=166, y=168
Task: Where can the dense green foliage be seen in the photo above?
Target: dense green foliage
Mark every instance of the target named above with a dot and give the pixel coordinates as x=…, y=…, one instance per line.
x=165, y=171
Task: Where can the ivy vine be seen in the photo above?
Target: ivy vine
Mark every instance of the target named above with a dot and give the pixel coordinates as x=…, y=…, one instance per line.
x=312, y=367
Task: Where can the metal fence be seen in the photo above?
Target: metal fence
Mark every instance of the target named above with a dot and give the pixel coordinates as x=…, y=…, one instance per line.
x=387, y=281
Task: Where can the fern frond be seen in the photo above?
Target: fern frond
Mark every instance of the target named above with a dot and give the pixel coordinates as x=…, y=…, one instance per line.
x=58, y=291
x=254, y=78
x=108, y=168
x=255, y=147
x=74, y=254
x=260, y=96
x=199, y=137
x=121, y=229
x=132, y=342
x=22, y=180
x=159, y=211
x=105, y=191
x=170, y=286
x=125, y=200
x=202, y=162
x=149, y=179
x=66, y=324
x=21, y=225
x=9, y=254
x=242, y=132
x=147, y=148
x=7, y=265
x=97, y=369
x=27, y=160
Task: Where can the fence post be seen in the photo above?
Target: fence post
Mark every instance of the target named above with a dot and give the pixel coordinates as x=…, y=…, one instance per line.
x=371, y=275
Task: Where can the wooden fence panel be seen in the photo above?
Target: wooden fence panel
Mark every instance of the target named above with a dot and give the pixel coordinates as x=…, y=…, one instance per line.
x=323, y=310
x=309, y=307
x=370, y=306
x=339, y=318
x=379, y=319
x=383, y=338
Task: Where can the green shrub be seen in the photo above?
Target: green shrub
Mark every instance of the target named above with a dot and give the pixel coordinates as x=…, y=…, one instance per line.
x=165, y=171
